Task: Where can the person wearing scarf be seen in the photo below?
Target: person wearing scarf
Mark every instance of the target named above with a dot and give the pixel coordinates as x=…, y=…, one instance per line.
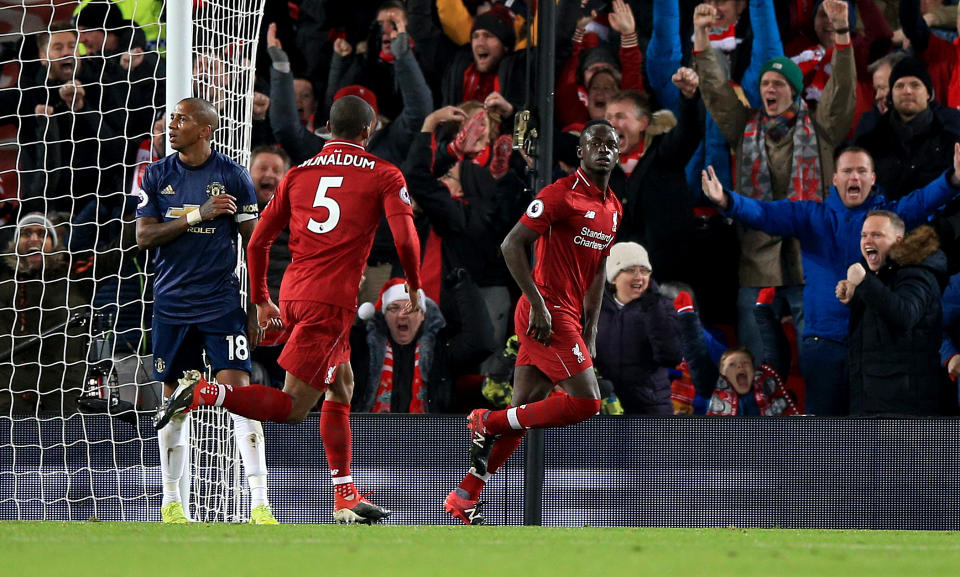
x=398, y=354
x=783, y=151
x=738, y=386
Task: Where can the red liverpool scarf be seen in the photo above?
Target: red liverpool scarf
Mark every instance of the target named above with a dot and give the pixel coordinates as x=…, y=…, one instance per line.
x=385, y=388
x=768, y=391
x=477, y=86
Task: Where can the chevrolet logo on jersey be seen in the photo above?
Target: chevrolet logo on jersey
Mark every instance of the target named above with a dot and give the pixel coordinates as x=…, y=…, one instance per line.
x=168, y=190
x=215, y=189
x=178, y=211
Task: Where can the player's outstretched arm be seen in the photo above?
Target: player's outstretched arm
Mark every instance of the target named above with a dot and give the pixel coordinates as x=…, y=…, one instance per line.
x=515, y=248
x=152, y=232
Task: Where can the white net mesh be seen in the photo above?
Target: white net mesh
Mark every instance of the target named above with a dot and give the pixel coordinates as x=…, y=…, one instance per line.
x=80, y=96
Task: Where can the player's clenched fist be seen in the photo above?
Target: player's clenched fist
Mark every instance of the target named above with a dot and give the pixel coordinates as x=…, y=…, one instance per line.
x=704, y=16
x=687, y=81
x=217, y=205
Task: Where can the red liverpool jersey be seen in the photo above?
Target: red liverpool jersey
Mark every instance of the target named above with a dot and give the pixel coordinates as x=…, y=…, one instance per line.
x=332, y=204
x=577, y=222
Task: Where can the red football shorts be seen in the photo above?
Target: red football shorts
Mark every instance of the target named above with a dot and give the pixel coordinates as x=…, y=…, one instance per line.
x=567, y=354
x=319, y=341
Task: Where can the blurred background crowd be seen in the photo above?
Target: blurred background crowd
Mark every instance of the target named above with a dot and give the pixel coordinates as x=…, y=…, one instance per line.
x=822, y=109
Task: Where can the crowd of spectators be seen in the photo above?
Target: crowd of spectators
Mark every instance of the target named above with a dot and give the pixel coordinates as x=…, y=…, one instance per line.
x=758, y=141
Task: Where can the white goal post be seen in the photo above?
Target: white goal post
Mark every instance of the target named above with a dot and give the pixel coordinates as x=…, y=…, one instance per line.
x=77, y=320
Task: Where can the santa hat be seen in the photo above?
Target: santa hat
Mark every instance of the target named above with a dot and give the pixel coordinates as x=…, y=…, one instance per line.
x=394, y=289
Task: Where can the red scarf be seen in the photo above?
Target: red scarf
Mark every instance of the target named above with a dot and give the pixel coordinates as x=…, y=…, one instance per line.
x=816, y=64
x=388, y=57
x=385, y=388
x=628, y=162
x=768, y=391
x=725, y=40
x=477, y=86
x=953, y=93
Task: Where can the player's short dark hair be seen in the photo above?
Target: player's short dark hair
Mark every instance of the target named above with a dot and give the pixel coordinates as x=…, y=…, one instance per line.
x=205, y=112
x=270, y=149
x=591, y=124
x=597, y=122
x=349, y=116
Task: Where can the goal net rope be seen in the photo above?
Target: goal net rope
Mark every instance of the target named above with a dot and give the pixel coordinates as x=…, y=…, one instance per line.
x=82, y=112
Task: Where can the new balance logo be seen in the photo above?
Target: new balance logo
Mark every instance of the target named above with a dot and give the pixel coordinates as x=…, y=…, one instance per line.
x=330, y=373
x=472, y=514
x=590, y=214
x=478, y=439
x=168, y=190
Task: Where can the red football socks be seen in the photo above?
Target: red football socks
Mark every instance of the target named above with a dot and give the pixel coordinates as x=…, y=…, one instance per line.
x=554, y=411
x=252, y=401
x=336, y=437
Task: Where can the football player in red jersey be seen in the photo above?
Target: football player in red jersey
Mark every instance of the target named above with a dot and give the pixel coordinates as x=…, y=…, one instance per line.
x=332, y=204
x=573, y=222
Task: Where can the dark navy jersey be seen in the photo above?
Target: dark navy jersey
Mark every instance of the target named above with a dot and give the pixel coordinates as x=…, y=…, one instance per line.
x=195, y=274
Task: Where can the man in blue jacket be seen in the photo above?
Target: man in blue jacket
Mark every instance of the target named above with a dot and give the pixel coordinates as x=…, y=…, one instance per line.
x=829, y=235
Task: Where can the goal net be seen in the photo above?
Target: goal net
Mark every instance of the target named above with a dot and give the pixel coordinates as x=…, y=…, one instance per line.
x=82, y=112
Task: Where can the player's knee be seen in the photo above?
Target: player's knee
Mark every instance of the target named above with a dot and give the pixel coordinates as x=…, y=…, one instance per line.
x=580, y=409
x=298, y=414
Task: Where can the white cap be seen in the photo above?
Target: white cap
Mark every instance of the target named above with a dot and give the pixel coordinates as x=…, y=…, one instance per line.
x=625, y=255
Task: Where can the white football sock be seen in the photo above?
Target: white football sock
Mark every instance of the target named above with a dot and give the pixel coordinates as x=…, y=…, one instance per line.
x=173, y=440
x=249, y=436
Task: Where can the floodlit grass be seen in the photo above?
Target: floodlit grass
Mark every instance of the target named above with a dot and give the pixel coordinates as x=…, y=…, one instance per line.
x=105, y=549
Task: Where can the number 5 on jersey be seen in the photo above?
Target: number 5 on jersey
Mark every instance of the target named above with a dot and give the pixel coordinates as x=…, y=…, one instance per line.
x=322, y=200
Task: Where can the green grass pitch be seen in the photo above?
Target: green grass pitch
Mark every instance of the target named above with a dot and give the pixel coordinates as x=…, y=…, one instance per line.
x=107, y=549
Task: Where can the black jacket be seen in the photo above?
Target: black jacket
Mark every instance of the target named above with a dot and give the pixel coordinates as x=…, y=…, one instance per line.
x=895, y=331
x=908, y=157
x=636, y=345
x=657, y=209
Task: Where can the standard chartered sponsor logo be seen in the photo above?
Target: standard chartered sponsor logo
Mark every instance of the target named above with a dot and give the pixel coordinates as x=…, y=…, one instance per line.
x=594, y=239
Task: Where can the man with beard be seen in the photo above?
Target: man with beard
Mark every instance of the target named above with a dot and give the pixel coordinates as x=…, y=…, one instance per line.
x=62, y=112
x=36, y=297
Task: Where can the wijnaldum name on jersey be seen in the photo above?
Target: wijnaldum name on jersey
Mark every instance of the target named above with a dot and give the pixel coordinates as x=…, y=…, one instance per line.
x=341, y=159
